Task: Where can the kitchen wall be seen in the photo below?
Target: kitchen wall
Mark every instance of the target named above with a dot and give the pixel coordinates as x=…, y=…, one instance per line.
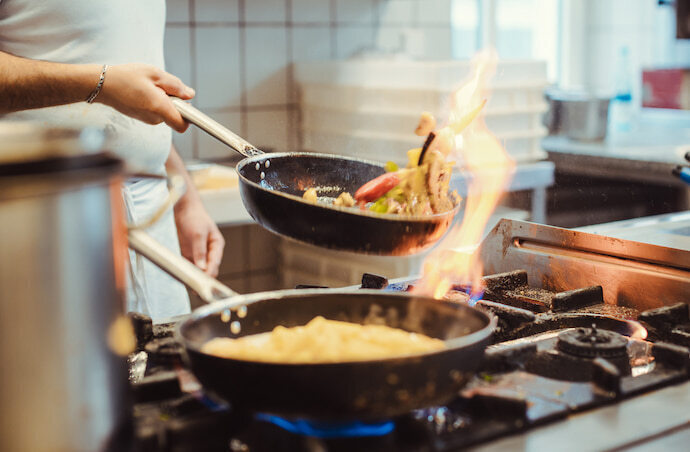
x=239, y=55
x=605, y=26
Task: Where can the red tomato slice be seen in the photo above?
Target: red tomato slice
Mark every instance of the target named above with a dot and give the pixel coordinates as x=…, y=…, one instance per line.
x=376, y=188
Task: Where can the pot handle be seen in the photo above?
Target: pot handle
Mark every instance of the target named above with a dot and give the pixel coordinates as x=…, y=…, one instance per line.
x=214, y=128
x=209, y=289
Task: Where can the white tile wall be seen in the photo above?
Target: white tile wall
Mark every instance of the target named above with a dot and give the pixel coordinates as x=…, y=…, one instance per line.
x=311, y=43
x=268, y=130
x=209, y=147
x=265, y=11
x=435, y=12
x=354, y=39
x=185, y=143
x=238, y=55
x=216, y=10
x=178, y=53
x=311, y=11
x=613, y=24
x=359, y=12
x=397, y=12
x=266, y=65
x=177, y=11
x=218, y=68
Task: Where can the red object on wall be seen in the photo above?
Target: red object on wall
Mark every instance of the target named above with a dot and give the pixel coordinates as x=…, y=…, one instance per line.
x=663, y=88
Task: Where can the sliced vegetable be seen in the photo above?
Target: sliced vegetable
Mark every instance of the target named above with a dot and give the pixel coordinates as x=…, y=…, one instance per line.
x=376, y=188
x=380, y=206
x=427, y=123
x=413, y=157
x=390, y=167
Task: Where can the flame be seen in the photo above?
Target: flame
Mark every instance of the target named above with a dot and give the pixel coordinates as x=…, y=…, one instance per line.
x=489, y=169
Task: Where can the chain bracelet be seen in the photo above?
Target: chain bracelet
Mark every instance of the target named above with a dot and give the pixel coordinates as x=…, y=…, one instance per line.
x=97, y=90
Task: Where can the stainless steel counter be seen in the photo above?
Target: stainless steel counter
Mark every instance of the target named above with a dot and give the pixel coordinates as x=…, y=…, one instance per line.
x=651, y=421
x=646, y=154
x=671, y=230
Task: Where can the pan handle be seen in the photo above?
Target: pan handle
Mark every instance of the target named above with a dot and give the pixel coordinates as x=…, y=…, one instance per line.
x=214, y=128
x=209, y=289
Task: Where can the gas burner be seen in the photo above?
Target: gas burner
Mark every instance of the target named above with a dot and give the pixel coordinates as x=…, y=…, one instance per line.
x=592, y=343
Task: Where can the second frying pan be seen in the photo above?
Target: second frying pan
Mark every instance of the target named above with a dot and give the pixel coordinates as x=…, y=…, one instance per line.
x=272, y=185
x=360, y=390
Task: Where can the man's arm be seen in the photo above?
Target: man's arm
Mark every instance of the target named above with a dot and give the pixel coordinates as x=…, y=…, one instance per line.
x=200, y=240
x=137, y=90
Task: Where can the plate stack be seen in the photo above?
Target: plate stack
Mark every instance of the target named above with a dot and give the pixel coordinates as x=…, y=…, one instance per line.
x=370, y=108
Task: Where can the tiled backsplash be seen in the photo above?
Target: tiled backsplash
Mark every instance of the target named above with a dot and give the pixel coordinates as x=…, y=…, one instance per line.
x=238, y=55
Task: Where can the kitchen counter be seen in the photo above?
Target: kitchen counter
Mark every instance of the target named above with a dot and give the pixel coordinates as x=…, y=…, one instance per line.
x=671, y=230
x=646, y=154
x=226, y=208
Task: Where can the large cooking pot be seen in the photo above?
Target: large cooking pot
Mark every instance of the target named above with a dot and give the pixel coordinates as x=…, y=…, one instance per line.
x=63, y=246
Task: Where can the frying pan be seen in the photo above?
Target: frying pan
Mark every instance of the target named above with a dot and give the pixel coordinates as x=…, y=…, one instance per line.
x=362, y=390
x=272, y=185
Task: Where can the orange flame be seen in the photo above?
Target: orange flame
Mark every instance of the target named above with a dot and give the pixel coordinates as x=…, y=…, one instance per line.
x=489, y=169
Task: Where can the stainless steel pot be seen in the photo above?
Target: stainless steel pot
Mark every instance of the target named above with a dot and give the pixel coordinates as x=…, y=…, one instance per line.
x=579, y=116
x=63, y=250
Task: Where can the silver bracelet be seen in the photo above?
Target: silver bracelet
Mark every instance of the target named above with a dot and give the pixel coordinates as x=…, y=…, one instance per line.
x=97, y=90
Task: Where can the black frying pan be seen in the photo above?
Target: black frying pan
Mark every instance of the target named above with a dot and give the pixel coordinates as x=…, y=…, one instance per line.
x=272, y=185
x=366, y=390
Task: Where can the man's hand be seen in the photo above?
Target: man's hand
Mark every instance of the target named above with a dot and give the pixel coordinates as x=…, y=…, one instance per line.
x=142, y=92
x=137, y=90
x=200, y=240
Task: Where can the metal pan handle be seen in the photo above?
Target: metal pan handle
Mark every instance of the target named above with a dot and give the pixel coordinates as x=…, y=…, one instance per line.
x=209, y=289
x=214, y=128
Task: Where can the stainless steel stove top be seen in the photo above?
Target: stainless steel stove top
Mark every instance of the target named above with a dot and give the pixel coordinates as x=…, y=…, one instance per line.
x=528, y=387
x=659, y=420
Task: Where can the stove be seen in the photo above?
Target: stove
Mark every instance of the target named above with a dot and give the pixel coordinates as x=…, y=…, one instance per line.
x=591, y=351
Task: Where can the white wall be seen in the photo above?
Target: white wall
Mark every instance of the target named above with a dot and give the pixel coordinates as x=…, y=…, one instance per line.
x=238, y=55
x=605, y=26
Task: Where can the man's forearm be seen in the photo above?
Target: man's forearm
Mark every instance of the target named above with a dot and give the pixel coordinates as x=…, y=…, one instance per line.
x=27, y=84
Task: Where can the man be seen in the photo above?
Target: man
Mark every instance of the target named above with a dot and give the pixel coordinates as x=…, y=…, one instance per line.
x=100, y=62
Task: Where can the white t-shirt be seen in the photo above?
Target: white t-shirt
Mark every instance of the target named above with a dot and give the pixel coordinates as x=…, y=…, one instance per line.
x=107, y=32
x=92, y=31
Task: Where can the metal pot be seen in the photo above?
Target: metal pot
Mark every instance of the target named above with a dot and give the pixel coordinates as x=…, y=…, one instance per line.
x=579, y=116
x=63, y=251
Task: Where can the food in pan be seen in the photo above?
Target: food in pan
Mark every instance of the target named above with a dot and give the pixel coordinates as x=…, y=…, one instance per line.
x=323, y=341
x=345, y=200
x=422, y=187
x=427, y=124
x=310, y=195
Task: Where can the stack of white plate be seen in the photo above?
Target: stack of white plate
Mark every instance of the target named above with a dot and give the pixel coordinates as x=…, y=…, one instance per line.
x=370, y=108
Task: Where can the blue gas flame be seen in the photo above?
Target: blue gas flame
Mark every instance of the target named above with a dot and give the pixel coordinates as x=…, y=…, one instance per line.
x=325, y=430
